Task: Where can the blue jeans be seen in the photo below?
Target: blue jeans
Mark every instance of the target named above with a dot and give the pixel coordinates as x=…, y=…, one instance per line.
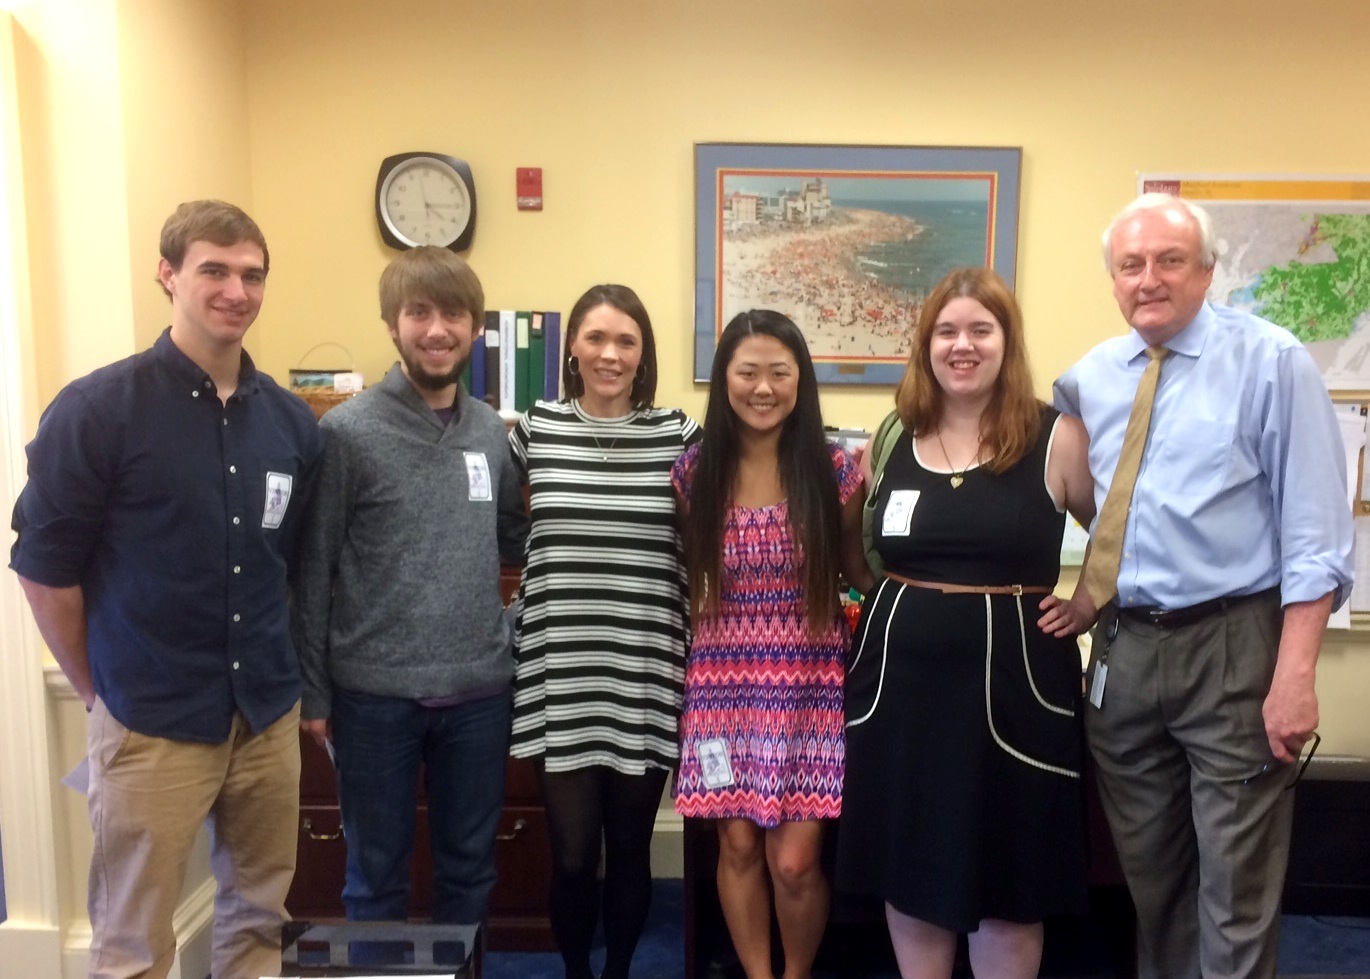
x=379, y=743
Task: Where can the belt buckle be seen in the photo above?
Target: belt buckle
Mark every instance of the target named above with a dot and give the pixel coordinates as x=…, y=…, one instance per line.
x=1157, y=616
x=1016, y=590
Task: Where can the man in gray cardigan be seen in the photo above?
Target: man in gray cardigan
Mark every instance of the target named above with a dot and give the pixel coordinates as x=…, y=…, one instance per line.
x=404, y=644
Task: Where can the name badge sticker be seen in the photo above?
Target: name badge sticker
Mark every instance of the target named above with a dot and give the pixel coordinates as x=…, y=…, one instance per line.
x=899, y=513
x=277, y=499
x=478, y=476
x=714, y=765
x=1096, y=686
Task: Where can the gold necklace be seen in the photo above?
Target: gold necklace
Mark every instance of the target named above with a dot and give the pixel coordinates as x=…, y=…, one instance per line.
x=957, y=478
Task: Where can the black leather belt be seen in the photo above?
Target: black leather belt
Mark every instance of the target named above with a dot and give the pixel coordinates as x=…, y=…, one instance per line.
x=1176, y=617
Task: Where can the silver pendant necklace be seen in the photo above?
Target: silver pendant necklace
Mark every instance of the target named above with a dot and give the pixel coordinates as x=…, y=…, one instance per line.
x=957, y=478
x=603, y=450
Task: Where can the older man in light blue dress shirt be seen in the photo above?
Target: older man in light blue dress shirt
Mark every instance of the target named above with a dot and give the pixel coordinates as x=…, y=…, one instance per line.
x=1237, y=548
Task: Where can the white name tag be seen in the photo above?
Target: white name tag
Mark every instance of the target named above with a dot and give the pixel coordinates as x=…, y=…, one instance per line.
x=899, y=513
x=1096, y=686
x=714, y=766
x=478, y=476
x=277, y=499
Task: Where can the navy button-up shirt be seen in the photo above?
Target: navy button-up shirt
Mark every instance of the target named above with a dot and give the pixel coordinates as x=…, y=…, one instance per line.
x=178, y=516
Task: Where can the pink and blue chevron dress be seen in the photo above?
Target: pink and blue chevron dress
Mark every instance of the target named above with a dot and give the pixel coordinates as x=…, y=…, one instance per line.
x=758, y=688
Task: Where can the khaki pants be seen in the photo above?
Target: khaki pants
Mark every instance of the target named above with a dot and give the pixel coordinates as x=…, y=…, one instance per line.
x=148, y=798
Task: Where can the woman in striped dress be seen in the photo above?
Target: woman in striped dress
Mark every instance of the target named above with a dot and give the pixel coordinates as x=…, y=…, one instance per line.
x=603, y=628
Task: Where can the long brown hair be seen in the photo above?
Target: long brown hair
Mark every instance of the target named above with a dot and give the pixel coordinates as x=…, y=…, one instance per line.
x=806, y=478
x=623, y=299
x=1013, y=417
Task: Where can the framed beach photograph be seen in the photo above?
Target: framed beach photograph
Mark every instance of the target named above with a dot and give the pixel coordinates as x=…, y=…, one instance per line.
x=846, y=241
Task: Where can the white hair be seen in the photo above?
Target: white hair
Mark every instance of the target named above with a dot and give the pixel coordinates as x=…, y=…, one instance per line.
x=1208, y=245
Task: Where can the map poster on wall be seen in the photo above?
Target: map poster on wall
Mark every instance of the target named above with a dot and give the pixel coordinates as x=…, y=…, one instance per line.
x=1295, y=251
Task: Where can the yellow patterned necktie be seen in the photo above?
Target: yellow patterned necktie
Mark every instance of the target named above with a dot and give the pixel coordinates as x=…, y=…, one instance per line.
x=1106, y=545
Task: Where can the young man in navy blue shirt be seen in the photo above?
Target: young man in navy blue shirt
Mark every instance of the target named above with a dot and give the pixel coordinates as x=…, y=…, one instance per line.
x=155, y=538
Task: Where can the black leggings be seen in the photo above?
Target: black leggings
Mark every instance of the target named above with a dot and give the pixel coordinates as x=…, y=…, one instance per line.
x=583, y=807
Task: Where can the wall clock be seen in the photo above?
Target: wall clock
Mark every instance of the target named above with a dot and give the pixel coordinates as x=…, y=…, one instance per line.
x=426, y=199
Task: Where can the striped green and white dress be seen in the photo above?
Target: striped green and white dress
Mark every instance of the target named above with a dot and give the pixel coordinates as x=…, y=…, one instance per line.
x=603, y=630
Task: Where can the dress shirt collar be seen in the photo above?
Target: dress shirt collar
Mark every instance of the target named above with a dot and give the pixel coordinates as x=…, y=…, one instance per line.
x=1189, y=342
x=172, y=357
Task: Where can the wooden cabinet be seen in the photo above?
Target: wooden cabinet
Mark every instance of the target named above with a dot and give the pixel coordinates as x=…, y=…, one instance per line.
x=523, y=859
x=518, y=906
x=1329, y=854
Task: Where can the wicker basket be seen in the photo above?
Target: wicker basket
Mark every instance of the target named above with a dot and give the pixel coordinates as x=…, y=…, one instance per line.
x=321, y=400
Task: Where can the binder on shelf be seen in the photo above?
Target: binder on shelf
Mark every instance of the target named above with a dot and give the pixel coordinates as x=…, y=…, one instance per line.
x=492, y=358
x=551, y=331
x=523, y=325
x=537, y=356
x=473, y=377
x=507, y=354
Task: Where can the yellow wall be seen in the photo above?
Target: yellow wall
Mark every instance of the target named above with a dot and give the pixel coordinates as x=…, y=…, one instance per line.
x=288, y=106
x=608, y=98
x=66, y=66
x=183, y=88
x=15, y=275
x=126, y=109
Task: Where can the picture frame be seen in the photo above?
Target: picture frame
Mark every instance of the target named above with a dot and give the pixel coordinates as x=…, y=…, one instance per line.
x=845, y=240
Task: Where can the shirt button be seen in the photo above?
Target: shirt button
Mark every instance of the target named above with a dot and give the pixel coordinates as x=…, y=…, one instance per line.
x=237, y=617
x=237, y=569
x=233, y=469
x=225, y=421
x=194, y=394
x=236, y=521
x=235, y=664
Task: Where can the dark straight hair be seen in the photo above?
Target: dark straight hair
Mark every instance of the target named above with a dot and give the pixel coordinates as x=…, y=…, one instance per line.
x=806, y=470
x=624, y=300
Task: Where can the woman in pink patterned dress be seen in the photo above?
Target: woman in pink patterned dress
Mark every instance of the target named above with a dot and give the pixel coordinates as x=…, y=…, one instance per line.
x=770, y=509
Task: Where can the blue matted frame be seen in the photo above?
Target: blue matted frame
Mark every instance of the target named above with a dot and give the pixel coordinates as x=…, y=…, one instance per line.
x=837, y=238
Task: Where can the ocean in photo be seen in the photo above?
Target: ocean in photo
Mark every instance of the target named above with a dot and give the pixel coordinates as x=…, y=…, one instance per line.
x=954, y=234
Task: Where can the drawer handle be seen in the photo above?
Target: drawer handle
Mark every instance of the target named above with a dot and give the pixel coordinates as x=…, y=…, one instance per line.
x=308, y=826
x=519, y=826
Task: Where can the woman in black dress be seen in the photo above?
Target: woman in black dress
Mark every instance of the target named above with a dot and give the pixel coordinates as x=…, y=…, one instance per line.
x=963, y=807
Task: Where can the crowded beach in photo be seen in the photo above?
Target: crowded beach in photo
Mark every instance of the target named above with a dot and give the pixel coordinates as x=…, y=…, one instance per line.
x=801, y=254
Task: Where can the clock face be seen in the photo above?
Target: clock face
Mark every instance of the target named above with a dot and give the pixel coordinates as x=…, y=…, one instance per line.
x=425, y=202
